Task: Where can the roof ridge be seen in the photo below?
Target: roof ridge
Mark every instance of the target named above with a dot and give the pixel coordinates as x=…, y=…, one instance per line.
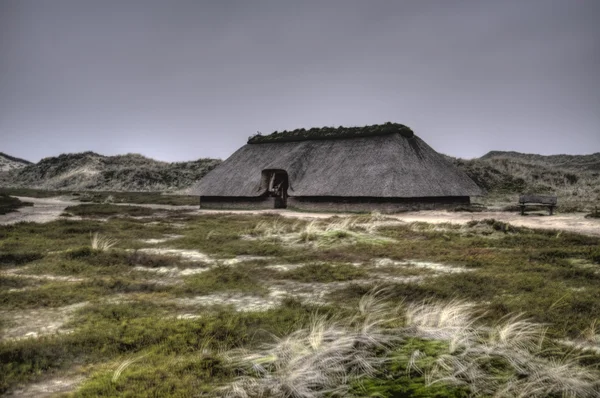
x=330, y=133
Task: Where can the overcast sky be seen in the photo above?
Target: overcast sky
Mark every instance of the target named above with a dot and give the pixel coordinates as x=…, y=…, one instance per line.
x=180, y=80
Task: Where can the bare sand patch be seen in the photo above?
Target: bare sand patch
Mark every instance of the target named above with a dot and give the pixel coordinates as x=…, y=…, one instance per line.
x=37, y=322
x=310, y=292
x=196, y=256
x=49, y=387
x=172, y=272
x=19, y=273
x=435, y=267
x=284, y=267
x=189, y=255
x=43, y=210
x=166, y=238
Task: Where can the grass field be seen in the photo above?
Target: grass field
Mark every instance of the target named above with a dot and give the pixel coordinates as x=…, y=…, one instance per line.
x=141, y=302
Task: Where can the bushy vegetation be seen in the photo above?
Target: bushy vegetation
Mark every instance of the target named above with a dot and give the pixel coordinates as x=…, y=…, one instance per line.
x=32, y=193
x=324, y=133
x=505, y=175
x=594, y=214
x=94, y=172
x=9, y=204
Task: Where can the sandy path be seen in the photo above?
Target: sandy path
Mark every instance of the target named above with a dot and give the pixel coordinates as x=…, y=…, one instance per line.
x=43, y=210
x=49, y=209
x=154, y=206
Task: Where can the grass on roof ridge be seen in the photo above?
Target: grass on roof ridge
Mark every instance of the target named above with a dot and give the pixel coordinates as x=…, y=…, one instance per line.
x=325, y=133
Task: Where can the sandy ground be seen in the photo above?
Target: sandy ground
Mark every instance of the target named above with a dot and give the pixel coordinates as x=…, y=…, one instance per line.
x=49, y=209
x=43, y=210
x=572, y=222
x=49, y=387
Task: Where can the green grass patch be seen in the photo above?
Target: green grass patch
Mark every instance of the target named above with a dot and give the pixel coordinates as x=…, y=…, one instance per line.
x=59, y=293
x=324, y=273
x=87, y=262
x=19, y=258
x=20, y=241
x=224, y=236
x=107, y=332
x=401, y=380
x=104, y=210
x=14, y=282
x=160, y=376
x=223, y=278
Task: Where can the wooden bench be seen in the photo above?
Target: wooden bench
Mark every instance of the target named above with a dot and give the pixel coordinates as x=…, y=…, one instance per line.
x=535, y=200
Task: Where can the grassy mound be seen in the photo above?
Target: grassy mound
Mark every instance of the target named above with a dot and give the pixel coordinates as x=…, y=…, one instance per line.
x=9, y=204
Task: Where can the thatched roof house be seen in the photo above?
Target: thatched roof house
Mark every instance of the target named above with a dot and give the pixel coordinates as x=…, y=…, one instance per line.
x=383, y=167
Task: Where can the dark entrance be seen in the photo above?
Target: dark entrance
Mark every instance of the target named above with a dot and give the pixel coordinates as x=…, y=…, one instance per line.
x=277, y=184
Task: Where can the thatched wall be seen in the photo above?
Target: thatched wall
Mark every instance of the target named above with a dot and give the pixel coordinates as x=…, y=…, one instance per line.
x=388, y=166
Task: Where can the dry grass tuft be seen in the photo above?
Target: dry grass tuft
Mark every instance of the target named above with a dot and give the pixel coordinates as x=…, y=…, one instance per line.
x=267, y=229
x=318, y=361
x=102, y=243
x=327, y=357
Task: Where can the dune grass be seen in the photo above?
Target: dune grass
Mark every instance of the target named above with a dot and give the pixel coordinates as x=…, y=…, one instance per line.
x=415, y=340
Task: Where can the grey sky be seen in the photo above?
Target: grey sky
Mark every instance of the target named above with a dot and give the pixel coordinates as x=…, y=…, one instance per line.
x=179, y=80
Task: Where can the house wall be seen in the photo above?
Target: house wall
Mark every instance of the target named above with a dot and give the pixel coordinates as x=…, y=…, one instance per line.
x=237, y=203
x=384, y=205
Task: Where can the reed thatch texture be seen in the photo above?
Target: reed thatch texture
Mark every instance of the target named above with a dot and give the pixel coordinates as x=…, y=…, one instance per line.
x=387, y=166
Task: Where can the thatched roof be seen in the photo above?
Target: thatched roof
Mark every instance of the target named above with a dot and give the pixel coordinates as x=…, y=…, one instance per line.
x=390, y=165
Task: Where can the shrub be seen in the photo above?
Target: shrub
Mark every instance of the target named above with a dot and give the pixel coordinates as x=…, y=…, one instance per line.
x=19, y=258
x=9, y=204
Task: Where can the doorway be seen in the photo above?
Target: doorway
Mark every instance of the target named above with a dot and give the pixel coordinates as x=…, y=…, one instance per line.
x=277, y=184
